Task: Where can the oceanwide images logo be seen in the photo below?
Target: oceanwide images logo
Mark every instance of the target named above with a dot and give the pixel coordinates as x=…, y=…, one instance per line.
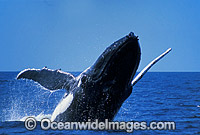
x=46, y=124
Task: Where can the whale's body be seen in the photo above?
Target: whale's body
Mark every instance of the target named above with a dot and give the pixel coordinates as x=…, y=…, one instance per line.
x=99, y=91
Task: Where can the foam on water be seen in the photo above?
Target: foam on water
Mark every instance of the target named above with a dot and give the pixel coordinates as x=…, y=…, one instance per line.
x=39, y=117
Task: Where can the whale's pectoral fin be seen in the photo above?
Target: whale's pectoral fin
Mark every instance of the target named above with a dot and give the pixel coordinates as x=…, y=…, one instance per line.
x=141, y=74
x=50, y=79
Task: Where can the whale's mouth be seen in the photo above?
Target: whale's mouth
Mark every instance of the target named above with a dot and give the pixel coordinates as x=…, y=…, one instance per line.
x=119, y=61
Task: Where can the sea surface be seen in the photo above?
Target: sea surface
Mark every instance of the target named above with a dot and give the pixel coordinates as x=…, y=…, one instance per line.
x=158, y=96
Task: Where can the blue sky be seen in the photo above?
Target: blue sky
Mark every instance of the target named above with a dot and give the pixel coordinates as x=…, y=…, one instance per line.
x=72, y=34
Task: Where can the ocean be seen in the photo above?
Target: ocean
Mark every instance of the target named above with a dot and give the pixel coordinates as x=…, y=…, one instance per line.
x=158, y=96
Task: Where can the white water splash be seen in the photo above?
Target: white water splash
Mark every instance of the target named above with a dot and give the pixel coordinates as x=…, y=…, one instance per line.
x=39, y=117
x=28, y=100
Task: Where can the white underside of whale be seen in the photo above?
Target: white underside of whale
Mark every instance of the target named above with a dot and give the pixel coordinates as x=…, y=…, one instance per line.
x=62, y=106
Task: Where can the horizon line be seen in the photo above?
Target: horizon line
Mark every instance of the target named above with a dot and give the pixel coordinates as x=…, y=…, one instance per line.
x=136, y=71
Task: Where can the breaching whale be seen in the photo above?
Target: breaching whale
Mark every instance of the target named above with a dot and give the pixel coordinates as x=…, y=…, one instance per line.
x=100, y=90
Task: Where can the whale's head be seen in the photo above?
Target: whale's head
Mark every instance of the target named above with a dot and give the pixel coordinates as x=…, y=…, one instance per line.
x=107, y=83
x=118, y=63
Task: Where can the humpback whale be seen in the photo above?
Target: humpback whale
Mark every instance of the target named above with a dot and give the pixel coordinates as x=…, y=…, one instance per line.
x=100, y=90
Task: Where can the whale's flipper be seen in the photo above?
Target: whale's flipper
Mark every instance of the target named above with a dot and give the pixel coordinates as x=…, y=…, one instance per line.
x=141, y=74
x=50, y=79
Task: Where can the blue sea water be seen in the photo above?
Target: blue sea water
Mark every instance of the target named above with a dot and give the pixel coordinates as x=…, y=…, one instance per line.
x=158, y=96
